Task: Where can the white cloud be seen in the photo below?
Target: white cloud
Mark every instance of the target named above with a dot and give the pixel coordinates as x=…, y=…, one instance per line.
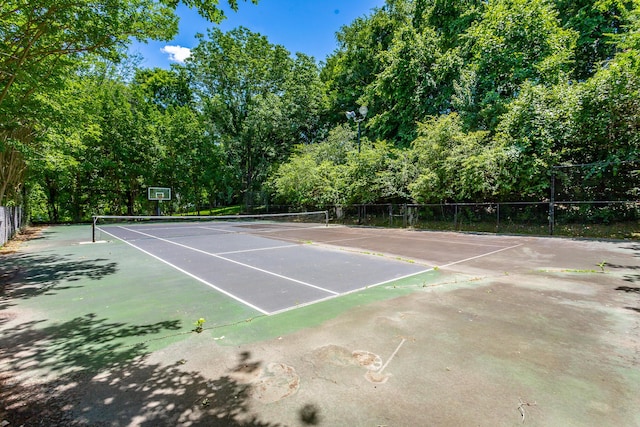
x=177, y=53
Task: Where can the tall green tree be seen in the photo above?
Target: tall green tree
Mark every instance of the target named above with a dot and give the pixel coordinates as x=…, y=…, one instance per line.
x=409, y=87
x=255, y=105
x=513, y=42
x=42, y=42
x=316, y=174
x=597, y=23
x=455, y=165
x=165, y=88
x=355, y=63
x=538, y=131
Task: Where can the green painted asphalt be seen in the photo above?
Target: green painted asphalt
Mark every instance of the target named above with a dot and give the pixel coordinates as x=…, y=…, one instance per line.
x=96, y=304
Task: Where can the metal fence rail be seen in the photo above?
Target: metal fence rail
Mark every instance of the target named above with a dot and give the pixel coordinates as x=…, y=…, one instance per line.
x=11, y=220
x=572, y=218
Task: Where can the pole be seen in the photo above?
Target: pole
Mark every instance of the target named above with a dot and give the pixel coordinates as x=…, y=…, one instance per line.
x=552, y=207
x=359, y=135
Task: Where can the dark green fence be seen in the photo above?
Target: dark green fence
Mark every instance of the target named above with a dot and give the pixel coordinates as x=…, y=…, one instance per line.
x=614, y=219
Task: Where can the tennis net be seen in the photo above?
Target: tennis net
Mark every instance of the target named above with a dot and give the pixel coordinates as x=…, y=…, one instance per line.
x=184, y=225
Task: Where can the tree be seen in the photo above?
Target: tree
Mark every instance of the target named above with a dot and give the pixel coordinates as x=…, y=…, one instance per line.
x=538, y=131
x=333, y=172
x=409, y=87
x=315, y=175
x=189, y=162
x=165, y=88
x=41, y=43
x=254, y=103
x=355, y=63
x=597, y=23
x=454, y=165
x=449, y=19
x=514, y=41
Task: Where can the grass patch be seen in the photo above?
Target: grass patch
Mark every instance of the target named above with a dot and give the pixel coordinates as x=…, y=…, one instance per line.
x=227, y=210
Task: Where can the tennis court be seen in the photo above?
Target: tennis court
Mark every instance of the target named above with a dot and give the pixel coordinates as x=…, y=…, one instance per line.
x=267, y=266
x=506, y=329
x=275, y=266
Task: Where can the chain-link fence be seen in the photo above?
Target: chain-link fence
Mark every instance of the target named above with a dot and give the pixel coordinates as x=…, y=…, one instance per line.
x=617, y=219
x=11, y=219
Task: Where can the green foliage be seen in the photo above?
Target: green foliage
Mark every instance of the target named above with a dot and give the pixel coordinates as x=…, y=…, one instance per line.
x=538, y=132
x=514, y=41
x=199, y=325
x=610, y=104
x=44, y=43
x=598, y=24
x=315, y=175
x=165, y=88
x=406, y=89
x=455, y=165
x=355, y=63
x=258, y=101
x=206, y=8
x=333, y=172
x=468, y=100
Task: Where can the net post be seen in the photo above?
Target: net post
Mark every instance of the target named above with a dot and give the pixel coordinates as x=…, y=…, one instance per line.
x=93, y=229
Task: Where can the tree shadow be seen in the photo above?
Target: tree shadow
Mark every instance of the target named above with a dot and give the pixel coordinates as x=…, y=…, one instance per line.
x=636, y=248
x=309, y=415
x=29, y=275
x=101, y=381
x=630, y=290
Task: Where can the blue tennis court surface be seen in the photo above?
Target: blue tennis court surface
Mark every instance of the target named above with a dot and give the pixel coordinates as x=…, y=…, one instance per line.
x=257, y=265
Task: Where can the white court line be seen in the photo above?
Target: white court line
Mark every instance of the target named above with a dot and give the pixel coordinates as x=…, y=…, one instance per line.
x=394, y=279
x=480, y=256
x=350, y=239
x=222, y=291
x=234, y=262
x=416, y=238
x=274, y=230
x=223, y=230
x=352, y=291
x=392, y=355
x=258, y=249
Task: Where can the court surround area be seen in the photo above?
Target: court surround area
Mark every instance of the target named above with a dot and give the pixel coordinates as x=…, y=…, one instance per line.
x=308, y=324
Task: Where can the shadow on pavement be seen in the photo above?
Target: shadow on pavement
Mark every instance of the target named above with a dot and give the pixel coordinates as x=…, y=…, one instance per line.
x=30, y=275
x=102, y=381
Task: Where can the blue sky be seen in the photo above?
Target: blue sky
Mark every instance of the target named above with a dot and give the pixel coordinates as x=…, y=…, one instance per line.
x=306, y=26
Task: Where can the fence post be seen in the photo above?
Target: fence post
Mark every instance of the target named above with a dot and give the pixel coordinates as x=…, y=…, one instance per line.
x=497, y=217
x=552, y=207
x=455, y=218
x=404, y=216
